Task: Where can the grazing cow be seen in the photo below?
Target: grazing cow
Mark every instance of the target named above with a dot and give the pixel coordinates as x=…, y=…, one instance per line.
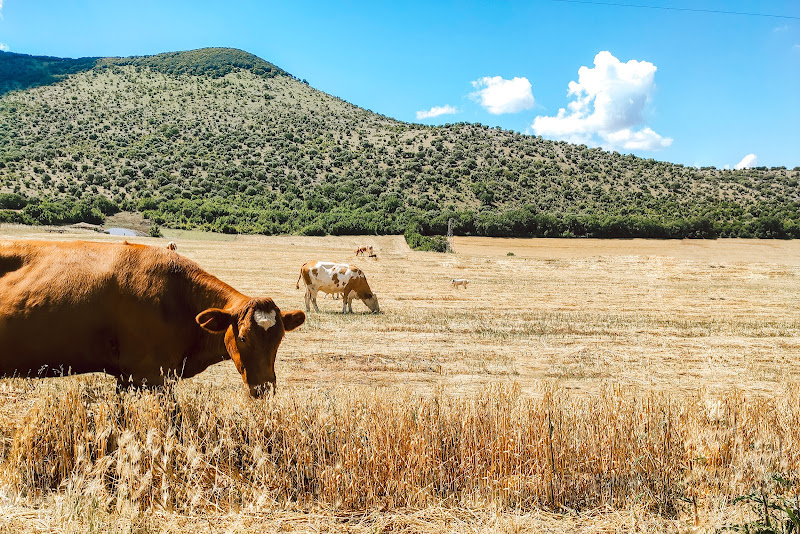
x=172, y=245
x=459, y=282
x=331, y=277
x=366, y=250
x=134, y=311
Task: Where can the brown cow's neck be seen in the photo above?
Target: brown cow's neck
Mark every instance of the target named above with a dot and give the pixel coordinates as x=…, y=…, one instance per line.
x=207, y=291
x=211, y=292
x=363, y=290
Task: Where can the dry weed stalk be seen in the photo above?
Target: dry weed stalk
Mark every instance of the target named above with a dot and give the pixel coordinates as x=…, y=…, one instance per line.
x=190, y=449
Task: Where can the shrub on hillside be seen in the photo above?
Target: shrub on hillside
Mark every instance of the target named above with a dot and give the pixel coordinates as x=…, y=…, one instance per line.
x=105, y=206
x=417, y=241
x=12, y=201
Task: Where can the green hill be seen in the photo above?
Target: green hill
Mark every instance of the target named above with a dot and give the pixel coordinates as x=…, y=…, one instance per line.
x=20, y=71
x=221, y=140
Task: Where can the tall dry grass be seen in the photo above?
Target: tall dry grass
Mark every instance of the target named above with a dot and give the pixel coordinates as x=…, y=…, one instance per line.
x=192, y=449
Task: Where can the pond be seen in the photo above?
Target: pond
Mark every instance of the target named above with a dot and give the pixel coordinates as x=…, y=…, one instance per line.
x=120, y=231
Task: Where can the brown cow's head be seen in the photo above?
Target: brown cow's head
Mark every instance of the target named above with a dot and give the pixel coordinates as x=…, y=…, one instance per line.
x=253, y=333
x=371, y=302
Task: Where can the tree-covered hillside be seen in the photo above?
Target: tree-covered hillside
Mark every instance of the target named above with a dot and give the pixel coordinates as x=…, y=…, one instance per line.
x=221, y=140
x=20, y=71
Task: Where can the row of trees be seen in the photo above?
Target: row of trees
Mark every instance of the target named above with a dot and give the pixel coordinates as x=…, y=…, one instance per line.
x=17, y=209
x=527, y=222
x=416, y=223
x=423, y=229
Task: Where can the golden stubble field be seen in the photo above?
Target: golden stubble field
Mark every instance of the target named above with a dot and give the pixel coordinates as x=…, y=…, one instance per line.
x=664, y=315
x=697, y=333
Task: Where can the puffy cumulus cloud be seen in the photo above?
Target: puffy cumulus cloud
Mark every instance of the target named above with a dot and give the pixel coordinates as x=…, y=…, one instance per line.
x=500, y=96
x=748, y=162
x=644, y=139
x=4, y=47
x=608, y=105
x=435, y=111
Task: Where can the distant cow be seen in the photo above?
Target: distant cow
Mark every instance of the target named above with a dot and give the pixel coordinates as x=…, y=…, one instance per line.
x=172, y=245
x=459, y=282
x=134, y=311
x=365, y=250
x=331, y=277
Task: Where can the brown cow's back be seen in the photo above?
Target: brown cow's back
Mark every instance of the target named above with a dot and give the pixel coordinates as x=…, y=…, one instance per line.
x=119, y=308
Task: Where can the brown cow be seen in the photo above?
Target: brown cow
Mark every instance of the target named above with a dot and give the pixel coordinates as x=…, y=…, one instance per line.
x=172, y=245
x=134, y=311
x=334, y=278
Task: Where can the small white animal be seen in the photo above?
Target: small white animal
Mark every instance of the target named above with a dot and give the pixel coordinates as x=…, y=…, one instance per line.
x=459, y=282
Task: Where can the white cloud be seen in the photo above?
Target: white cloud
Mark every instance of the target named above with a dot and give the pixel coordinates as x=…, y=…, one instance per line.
x=747, y=162
x=435, y=111
x=500, y=96
x=644, y=139
x=4, y=47
x=609, y=102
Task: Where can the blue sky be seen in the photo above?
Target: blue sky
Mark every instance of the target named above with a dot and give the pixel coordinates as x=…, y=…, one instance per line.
x=678, y=81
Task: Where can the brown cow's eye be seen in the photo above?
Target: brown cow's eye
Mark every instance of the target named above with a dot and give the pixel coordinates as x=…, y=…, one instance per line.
x=241, y=338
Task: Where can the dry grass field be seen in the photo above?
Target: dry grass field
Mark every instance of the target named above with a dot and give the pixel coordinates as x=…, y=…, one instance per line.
x=575, y=385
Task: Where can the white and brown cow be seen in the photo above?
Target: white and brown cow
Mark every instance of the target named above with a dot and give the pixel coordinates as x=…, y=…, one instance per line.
x=330, y=277
x=366, y=250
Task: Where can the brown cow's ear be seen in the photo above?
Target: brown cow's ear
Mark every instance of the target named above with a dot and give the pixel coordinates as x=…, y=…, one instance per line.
x=214, y=320
x=292, y=319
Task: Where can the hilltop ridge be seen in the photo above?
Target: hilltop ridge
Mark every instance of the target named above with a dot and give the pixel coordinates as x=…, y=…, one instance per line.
x=214, y=62
x=222, y=140
x=23, y=71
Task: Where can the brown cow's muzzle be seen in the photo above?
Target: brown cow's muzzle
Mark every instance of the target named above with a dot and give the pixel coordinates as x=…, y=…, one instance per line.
x=263, y=390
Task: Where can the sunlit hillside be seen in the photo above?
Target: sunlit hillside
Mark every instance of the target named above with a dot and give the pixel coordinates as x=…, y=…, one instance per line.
x=219, y=139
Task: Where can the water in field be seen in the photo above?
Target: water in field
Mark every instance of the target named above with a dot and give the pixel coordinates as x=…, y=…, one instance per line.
x=120, y=231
